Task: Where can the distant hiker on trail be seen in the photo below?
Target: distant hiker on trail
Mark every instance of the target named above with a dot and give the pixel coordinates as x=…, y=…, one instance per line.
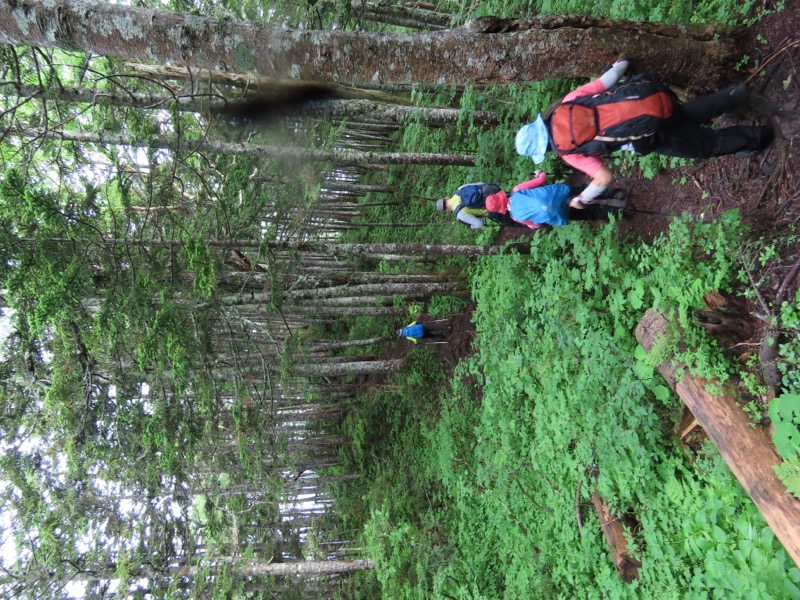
x=640, y=114
x=469, y=205
x=534, y=204
x=417, y=331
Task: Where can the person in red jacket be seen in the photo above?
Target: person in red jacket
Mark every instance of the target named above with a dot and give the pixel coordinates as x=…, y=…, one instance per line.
x=681, y=130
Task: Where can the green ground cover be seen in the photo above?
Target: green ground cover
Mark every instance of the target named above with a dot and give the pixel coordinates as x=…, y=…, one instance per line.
x=478, y=479
x=476, y=489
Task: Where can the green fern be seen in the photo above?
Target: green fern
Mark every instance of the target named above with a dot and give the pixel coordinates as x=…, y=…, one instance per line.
x=683, y=495
x=789, y=473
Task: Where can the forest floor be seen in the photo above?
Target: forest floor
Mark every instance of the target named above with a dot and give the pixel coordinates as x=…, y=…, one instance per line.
x=766, y=188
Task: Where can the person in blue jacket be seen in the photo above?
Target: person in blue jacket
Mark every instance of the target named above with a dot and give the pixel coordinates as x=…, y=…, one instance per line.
x=534, y=204
x=417, y=331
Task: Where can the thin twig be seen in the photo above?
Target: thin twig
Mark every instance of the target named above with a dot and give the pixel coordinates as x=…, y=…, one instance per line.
x=761, y=300
x=534, y=502
x=786, y=281
x=511, y=514
x=539, y=473
x=772, y=57
x=578, y=512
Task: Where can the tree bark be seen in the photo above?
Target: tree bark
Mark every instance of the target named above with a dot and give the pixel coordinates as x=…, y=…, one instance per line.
x=386, y=289
x=399, y=21
x=417, y=18
x=747, y=450
x=383, y=112
x=328, y=346
x=385, y=251
x=355, y=311
x=285, y=152
x=352, y=368
x=529, y=50
x=254, y=568
x=614, y=532
x=193, y=103
x=356, y=188
x=252, y=83
x=253, y=281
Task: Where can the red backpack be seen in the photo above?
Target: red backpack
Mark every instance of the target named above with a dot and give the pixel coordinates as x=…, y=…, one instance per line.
x=628, y=111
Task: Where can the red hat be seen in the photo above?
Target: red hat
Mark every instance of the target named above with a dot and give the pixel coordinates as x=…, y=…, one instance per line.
x=497, y=202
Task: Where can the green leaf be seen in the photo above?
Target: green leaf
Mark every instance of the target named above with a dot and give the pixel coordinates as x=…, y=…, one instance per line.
x=643, y=370
x=639, y=353
x=701, y=519
x=635, y=297
x=785, y=407
x=786, y=439
x=661, y=392
x=718, y=535
x=766, y=537
x=705, y=544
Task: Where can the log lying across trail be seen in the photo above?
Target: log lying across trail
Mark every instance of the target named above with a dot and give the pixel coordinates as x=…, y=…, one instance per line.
x=748, y=451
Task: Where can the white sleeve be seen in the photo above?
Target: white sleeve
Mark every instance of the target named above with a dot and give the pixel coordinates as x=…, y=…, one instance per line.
x=613, y=75
x=591, y=192
x=471, y=220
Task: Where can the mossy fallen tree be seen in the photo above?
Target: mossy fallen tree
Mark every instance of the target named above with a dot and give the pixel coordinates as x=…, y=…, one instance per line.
x=747, y=450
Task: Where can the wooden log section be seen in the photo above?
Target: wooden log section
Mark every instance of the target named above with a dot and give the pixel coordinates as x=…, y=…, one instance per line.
x=614, y=532
x=748, y=451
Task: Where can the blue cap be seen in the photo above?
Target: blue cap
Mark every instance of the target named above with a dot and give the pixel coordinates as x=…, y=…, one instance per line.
x=532, y=140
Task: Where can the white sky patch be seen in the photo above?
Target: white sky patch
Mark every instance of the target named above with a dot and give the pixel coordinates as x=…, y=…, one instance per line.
x=5, y=327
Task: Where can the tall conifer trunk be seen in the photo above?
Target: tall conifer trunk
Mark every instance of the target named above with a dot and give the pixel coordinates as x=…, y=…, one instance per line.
x=528, y=50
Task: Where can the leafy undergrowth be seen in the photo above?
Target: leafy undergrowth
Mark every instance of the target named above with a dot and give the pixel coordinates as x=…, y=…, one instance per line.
x=481, y=498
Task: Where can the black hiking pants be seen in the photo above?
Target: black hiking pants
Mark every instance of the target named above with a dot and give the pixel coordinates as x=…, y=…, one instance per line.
x=594, y=212
x=686, y=133
x=436, y=332
x=597, y=210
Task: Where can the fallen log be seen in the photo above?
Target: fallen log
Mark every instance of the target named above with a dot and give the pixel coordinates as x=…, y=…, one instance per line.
x=614, y=532
x=748, y=451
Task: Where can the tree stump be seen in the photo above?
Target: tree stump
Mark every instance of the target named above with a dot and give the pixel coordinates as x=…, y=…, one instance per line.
x=748, y=451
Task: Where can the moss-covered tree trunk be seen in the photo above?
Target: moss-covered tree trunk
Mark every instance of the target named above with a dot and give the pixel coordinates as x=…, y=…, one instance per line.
x=529, y=50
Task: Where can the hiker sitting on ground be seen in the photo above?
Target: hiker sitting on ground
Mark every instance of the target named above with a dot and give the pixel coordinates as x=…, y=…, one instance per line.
x=469, y=205
x=534, y=204
x=417, y=331
x=642, y=115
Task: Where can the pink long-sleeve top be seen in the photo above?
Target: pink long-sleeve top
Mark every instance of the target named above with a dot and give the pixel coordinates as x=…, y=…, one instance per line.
x=531, y=183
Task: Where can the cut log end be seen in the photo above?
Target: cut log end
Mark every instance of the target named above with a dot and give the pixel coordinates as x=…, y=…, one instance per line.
x=627, y=566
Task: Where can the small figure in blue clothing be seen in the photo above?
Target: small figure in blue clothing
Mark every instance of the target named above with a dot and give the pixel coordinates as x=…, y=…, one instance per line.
x=417, y=331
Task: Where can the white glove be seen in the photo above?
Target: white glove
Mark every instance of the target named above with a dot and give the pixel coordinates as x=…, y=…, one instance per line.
x=576, y=203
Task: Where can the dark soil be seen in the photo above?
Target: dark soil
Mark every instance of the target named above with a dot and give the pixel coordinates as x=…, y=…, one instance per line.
x=764, y=188
x=459, y=340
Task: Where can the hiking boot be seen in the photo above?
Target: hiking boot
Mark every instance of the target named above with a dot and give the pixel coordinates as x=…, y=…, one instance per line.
x=764, y=135
x=738, y=95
